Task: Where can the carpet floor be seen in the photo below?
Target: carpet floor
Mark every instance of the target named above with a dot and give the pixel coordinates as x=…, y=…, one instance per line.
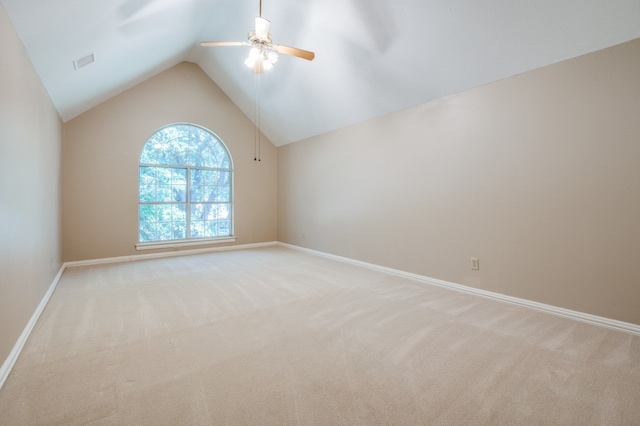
x=273, y=336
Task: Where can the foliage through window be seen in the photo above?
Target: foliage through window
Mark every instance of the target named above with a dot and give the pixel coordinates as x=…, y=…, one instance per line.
x=186, y=178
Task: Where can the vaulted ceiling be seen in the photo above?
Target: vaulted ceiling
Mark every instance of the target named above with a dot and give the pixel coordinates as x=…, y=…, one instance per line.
x=372, y=56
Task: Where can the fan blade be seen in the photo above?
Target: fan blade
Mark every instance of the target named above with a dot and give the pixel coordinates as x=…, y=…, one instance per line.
x=222, y=43
x=294, y=51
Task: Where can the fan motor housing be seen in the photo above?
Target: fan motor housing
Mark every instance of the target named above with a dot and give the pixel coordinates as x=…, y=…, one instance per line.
x=256, y=39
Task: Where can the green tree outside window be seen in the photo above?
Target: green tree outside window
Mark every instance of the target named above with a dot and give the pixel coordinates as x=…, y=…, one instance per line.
x=185, y=185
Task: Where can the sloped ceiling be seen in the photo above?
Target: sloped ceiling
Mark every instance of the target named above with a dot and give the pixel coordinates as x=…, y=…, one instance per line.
x=372, y=56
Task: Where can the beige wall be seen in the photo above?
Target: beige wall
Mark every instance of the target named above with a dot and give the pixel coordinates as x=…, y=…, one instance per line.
x=102, y=149
x=30, y=145
x=537, y=175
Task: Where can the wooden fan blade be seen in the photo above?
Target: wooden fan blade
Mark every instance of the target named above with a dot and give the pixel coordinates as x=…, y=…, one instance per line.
x=294, y=51
x=222, y=43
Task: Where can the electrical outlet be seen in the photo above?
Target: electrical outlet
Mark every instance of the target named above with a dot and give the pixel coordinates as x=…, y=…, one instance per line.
x=475, y=263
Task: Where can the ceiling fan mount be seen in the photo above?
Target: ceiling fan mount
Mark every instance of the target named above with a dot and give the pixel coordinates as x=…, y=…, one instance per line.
x=263, y=53
x=256, y=40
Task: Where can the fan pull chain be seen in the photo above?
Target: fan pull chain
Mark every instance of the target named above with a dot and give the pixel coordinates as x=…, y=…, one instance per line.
x=256, y=143
x=255, y=117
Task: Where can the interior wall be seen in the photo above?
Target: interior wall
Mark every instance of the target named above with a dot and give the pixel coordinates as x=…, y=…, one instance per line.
x=537, y=175
x=30, y=159
x=102, y=150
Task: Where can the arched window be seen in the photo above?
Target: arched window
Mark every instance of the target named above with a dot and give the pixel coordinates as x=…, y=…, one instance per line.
x=186, y=186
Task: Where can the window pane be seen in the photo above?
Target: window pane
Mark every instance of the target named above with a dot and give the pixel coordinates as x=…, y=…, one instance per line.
x=197, y=212
x=205, y=220
x=147, y=193
x=147, y=213
x=210, y=211
x=163, y=175
x=217, y=177
x=177, y=151
x=147, y=175
x=186, y=145
x=197, y=229
x=197, y=193
x=209, y=193
x=211, y=229
x=179, y=212
x=222, y=211
x=209, y=220
x=179, y=193
x=179, y=176
x=163, y=193
x=224, y=195
x=224, y=178
x=203, y=157
x=210, y=177
x=164, y=232
x=197, y=176
x=203, y=185
x=179, y=230
x=147, y=231
x=204, y=152
x=163, y=213
x=224, y=227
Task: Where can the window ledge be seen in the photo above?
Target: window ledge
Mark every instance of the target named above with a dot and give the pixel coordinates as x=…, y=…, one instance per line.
x=184, y=243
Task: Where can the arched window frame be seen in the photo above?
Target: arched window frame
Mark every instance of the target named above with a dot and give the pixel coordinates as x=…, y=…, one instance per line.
x=186, y=165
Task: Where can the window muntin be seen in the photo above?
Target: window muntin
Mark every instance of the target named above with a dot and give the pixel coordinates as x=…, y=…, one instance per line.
x=185, y=186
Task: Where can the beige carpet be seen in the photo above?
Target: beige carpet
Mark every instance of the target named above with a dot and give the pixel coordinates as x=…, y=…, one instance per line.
x=277, y=337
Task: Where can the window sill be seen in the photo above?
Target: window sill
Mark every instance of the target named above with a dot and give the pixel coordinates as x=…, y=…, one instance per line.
x=184, y=243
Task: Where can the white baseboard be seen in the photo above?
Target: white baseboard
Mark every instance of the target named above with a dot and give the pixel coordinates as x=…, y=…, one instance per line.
x=17, y=348
x=567, y=313
x=166, y=254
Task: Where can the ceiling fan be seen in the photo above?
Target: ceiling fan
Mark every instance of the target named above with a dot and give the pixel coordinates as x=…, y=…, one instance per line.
x=263, y=52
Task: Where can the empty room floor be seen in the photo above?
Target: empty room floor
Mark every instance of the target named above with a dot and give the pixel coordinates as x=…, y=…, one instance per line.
x=275, y=336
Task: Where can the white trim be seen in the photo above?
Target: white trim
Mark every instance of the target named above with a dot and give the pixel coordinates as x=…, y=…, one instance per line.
x=166, y=254
x=567, y=313
x=8, y=364
x=182, y=243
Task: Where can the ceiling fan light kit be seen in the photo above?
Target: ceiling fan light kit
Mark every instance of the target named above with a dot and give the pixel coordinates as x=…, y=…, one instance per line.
x=263, y=53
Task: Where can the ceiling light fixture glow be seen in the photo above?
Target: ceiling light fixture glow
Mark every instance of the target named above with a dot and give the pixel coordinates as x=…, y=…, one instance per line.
x=261, y=58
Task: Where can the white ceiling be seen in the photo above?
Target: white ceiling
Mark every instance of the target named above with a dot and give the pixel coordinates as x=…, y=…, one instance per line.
x=372, y=56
